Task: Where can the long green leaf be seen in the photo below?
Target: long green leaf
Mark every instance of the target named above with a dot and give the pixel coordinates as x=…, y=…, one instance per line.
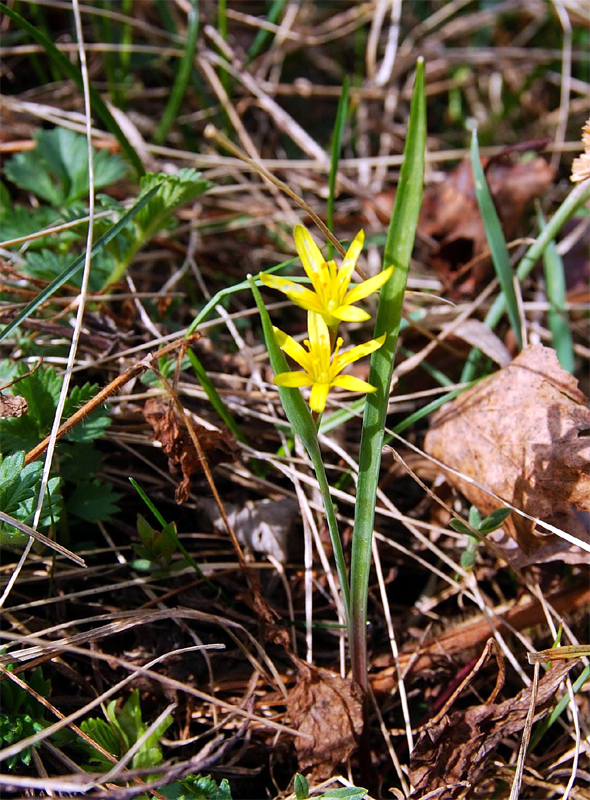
x=557, y=320
x=73, y=72
x=182, y=76
x=496, y=240
x=303, y=425
x=77, y=264
x=398, y=251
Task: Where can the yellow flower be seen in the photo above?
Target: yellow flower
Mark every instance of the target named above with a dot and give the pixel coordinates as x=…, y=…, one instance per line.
x=322, y=367
x=331, y=296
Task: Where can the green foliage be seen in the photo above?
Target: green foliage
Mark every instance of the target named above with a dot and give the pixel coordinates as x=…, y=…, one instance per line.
x=21, y=715
x=56, y=172
x=121, y=731
x=157, y=547
x=57, y=169
x=301, y=787
x=483, y=526
x=87, y=498
x=19, y=488
x=197, y=787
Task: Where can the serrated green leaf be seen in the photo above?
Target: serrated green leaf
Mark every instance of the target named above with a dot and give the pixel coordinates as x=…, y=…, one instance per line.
x=56, y=170
x=18, y=220
x=93, y=501
x=47, y=265
x=94, y=424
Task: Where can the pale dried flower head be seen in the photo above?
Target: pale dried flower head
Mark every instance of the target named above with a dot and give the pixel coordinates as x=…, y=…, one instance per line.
x=581, y=165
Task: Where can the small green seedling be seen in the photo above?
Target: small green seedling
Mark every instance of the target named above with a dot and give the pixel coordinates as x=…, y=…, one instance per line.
x=157, y=548
x=120, y=731
x=301, y=788
x=482, y=526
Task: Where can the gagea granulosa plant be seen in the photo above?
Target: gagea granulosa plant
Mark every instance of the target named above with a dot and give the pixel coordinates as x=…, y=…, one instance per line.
x=330, y=303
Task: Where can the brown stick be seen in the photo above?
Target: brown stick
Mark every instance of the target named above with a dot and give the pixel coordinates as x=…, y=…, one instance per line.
x=112, y=388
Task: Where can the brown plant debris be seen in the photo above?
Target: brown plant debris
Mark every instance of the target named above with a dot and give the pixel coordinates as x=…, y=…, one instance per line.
x=12, y=406
x=456, y=747
x=329, y=709
x=522, y=433
x=218, y=447
x=450, y=215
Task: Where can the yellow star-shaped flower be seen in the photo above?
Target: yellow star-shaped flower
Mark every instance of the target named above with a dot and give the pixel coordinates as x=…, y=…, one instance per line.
x=321, y=367
x=331, y=296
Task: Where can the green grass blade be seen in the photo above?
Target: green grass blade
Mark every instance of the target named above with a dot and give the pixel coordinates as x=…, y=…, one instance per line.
x=341, y=114
x=303, y=425
x=557, y=320
x=545, y=724
x=182, y=76
x=214, y=398
x=264, y=35
x=496, y=240
x=77, y=264
x=398, y=251
x=575, y=199
x=74, y=73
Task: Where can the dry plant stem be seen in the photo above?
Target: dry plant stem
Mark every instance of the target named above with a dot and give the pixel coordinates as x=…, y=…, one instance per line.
x=260, y=604
x=211, y=132
x=103, y=395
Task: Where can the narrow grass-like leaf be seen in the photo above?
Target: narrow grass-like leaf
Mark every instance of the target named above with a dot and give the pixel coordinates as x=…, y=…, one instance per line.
x=341, y=114
x=303, y=425
x=398, y=251
x=214, y=398
x=77, y=264
x=182, y=76
x=73, y=72
x=557, y=320
x=496, y=240
x=575, y=199
x=263, y=34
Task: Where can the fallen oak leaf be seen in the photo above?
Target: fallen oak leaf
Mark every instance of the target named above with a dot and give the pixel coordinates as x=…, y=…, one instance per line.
x=521, y=434
x=329, y=709
x=456, y=748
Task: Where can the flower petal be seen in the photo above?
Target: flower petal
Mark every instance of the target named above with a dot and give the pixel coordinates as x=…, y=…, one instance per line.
x=309, y=253
x=318, y=397
x=343, y=359
x=350, y=259
x=292, y=379
x=293, y=349
x=352, y=384
x=369, y=286
x=348, y=313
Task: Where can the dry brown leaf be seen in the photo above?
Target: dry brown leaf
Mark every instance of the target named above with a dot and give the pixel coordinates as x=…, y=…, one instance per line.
x=456, y=748
x=523, y=434
x=450, y=215
x=12, y=406
x=330, y=710
x=218, y=447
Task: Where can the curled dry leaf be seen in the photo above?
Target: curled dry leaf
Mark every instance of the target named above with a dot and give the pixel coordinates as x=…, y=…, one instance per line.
x=12, y=406
x=456, y=748
x=330, y=710
x=523, y=434
x=450, y=215
x=217, y=446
